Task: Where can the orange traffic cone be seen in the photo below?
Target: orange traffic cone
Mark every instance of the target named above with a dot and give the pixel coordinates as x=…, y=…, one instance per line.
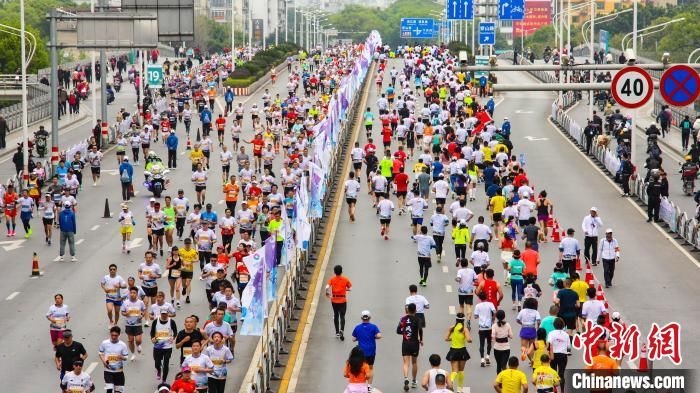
x=550, y=222
x=643, y=361
x=189, y=144
x=35, y=266
x=556, y=237
x=599, y=294
x=589, y=275
x=578, y=264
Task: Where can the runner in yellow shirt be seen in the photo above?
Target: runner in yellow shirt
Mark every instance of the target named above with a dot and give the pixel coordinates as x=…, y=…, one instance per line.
x=496, y=205
x=544, y=378
x=511, y=380
x=189, y=256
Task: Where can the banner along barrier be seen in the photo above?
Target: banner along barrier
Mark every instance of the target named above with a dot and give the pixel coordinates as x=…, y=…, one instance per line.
x=313, y=196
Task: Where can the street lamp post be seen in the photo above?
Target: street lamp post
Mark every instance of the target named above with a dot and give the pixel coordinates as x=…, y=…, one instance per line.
x=233, y=32
x=25, y=117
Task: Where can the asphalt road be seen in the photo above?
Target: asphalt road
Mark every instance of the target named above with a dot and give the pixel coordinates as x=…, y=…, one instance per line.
x=24, y=301
x=655, y=281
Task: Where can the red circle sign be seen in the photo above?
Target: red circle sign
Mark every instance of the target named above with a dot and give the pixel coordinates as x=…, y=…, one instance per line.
x=632, y=87
x=680, y=85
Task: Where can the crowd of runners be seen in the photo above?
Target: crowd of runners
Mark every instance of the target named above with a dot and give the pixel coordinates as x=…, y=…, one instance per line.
x=432, y=155
x=190, y=236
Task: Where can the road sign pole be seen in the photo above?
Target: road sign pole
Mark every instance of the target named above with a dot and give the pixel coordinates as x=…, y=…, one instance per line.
x=103, y=75
x=54, y=91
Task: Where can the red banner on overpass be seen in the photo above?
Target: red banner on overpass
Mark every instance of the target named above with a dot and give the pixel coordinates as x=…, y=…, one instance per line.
x=537, y=14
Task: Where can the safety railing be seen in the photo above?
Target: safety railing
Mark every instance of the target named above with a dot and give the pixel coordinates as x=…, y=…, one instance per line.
x=680, y=223
x=266, y=357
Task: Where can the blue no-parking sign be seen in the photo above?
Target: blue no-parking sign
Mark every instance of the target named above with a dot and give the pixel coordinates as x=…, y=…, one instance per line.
x=680, y=85
x=487, y=33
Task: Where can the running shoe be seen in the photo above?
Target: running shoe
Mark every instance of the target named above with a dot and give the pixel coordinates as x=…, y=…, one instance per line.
x=405, y=385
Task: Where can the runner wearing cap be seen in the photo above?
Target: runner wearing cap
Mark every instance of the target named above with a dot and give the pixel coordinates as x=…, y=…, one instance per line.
x=366, y=334
x=163, y=334
x=183, y=382
x=77, y=381
x=609, y=254
x=67, y=352
x=126, y=226
x=590, y=226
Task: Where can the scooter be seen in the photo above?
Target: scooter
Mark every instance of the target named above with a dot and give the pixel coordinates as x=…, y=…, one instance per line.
x=688, y=175
x=40, y=143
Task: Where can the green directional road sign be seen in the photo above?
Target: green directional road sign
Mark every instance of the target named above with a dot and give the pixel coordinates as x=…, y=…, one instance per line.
x=154, y=76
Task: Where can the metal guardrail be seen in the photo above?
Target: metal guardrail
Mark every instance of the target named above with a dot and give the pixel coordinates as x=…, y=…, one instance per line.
x=683, y=225
x=12, y=80
x=38, y=108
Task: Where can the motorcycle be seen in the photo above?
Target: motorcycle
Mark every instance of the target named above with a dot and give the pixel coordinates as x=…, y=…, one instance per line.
x=117, y=84
x=40, y=140
x=156, y=182
x=110, y=95
x=688, y=176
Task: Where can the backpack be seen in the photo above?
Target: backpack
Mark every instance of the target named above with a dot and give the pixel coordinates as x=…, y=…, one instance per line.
x=124, y=177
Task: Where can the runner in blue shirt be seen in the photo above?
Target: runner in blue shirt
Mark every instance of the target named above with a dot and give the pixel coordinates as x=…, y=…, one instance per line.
x=366, y=334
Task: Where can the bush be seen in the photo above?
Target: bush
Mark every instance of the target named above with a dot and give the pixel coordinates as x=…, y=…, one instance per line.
x=261, y=64
x=240, y=82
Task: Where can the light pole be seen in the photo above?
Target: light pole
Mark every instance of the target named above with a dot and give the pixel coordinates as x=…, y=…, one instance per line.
x=93, y=86
x=233, y=32
x=25, y=117
x=295, y=22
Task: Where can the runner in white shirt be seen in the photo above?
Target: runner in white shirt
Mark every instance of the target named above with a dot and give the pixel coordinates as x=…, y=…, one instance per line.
x=466, y=277
x=485, y=312
x=441, y=188
x=113, y=284
x=418, y=206
x=379, y=188
x=420, y=301
x=525, y=208
x=352, y=188
x=385, y=207
x=77, y=381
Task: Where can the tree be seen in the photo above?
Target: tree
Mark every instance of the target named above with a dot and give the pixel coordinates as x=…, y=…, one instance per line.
x=10, y=51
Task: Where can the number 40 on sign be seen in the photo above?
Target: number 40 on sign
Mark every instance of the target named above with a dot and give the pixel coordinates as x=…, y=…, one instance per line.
x=632, y=87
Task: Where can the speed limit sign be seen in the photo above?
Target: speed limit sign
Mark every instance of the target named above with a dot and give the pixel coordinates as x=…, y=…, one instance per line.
x=632, y=87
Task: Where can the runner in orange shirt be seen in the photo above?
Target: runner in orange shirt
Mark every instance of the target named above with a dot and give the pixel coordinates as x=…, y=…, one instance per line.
x=336, y=291
x=231, y=190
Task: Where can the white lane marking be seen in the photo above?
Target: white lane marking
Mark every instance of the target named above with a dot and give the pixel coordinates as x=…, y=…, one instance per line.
x=58, y=258
x=91, y=367
x=535, y=139
x=12, y=296
x=136, y=242
x=629, y=200
x=94, y=228
x=448, y=288
x=221, y=202
x=522, y=112
x=80, y=241
x=13, y=244
x=452, y=310
x=445, y=269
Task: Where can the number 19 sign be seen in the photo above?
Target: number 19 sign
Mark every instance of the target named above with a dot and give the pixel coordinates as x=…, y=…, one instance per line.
x=154, y=76
x=632, y=87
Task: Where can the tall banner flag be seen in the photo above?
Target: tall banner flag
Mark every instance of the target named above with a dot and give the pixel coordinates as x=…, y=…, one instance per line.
x=271, y=267
x=253, y=299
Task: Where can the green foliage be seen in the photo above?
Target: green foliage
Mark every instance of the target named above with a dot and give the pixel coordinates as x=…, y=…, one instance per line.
x=362, y=19
x=538, y=40
x=261, y=64
x=11, y=49
x=456, y=46
x=678, y=39
x=35, y=20
x=211, y=36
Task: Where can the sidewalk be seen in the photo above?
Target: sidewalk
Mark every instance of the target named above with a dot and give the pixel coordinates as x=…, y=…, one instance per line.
x=670, y=147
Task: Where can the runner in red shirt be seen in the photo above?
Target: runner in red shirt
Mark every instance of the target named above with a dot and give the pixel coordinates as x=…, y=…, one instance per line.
x=370, y=146
x=401, y=155
x=258, y=145
x=386, y=137
x=220, y=127
x=492, y=289
x=10, y=203
x=185, y=383
x=402, y=181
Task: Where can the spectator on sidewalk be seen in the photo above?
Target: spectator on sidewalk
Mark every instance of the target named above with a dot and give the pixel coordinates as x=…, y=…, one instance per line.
x=664, y=120
x=18, y=159
x=686, y=127
x=97, y=133
x=4, y=129
x=696, y=129
x=62, y=101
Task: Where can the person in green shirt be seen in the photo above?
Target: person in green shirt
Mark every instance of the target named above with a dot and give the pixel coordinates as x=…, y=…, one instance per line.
x=548, y=322
x=275, y=227
x=169, y=211
x=385, y=166
x=511, y=380
x=516, y=267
